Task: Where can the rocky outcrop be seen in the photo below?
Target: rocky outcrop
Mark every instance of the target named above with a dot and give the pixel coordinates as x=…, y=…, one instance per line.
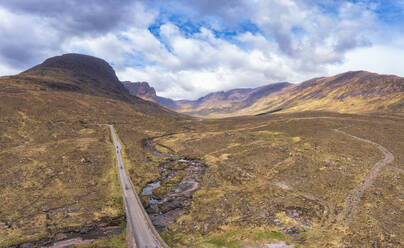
x=87, y=234
x=142, y=90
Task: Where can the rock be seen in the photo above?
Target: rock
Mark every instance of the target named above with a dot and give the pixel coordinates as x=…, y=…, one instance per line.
x=205, y=229
x=60, y=236
x=27, y=245
x=142, y=90
x=153, y=209
x=72, y=209
x=292, y=230
x=85, y=161
x=329, y=163
x=281, y=244
x=9, y=224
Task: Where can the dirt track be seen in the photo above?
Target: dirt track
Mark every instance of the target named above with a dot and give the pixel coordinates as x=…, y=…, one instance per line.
x=354, y=198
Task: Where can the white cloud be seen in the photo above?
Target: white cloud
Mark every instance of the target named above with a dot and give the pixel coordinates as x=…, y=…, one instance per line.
x=7, y=70
x=25, y=39
x=206, y=63
x=379, y=58
x=296, y=40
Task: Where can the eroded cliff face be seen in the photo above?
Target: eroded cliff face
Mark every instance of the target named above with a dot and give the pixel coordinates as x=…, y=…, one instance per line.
x=142, y=90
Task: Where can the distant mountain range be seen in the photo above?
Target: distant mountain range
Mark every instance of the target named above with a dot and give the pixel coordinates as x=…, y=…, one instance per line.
x=350, y=92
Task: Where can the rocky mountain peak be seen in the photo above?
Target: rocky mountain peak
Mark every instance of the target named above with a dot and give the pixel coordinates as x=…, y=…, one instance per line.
x=142, y=90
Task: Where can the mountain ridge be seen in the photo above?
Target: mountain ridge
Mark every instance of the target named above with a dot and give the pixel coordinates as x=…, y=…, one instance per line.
x=349, y=92
x=238, y=98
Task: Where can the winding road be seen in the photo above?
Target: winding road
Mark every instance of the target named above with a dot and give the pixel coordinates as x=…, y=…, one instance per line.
x=144, y=235
x=353, y=199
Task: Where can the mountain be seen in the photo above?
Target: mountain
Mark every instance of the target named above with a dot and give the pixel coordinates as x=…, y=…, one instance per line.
x=225, y=102
x=77, y=72
x=308, y=178
x=350, y=92
x=58, y=173
x=217, y=102
x=142, y=90
x=167, y=102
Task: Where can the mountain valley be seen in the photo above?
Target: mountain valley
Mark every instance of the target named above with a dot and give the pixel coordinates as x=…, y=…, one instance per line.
x=278, y=164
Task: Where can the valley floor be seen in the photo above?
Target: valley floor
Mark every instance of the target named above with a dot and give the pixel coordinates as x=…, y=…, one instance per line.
x=308, y=180
x=289, y=177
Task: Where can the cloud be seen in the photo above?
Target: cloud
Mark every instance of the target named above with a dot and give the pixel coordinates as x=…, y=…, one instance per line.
x=205, y=63
x=36, y=30
x=22, y=42
x=76, y=16
x=187, y=48
x=379, y=58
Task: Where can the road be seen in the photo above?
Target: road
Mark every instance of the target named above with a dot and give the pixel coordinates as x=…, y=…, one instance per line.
x=144, y=234
x=353, y=199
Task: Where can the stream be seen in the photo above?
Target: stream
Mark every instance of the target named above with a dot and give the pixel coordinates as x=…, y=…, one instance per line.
x=170, y=195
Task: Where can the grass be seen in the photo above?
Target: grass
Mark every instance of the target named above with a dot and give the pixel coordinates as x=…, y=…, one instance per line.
x=355, y=94
x=259, y=169
x=234, y=237
x=117, y=241
x=58, y=168
x=59, y=173
x=162, y=149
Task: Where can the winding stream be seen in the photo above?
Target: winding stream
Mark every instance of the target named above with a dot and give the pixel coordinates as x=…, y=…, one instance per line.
x=166, y=206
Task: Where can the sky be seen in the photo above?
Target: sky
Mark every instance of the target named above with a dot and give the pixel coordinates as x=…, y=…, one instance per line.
x=186, y=49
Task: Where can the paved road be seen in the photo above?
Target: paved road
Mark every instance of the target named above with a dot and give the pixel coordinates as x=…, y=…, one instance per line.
x=144, y=234
x=353, y=199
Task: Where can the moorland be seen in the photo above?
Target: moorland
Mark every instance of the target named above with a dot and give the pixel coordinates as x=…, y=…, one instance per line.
x=298, y=175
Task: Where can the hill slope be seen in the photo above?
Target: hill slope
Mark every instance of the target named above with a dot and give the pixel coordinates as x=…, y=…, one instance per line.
x=56, y=160
x=259, y=180
x=230, y=101
x=222, y=102
x=351, y=92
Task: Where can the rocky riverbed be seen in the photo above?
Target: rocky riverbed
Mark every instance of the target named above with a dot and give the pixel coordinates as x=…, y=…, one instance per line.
x=170, y=195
